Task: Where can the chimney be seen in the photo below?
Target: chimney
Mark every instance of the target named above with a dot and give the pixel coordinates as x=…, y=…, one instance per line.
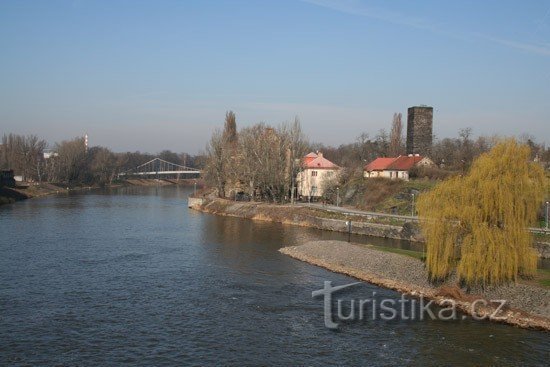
x=320, y=154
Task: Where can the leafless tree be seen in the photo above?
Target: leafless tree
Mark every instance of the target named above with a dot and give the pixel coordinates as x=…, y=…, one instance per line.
x=230, y=127
x=216, y=166
x=23, y=154
x=396, y=136
x=71, y=160
x=103, y=166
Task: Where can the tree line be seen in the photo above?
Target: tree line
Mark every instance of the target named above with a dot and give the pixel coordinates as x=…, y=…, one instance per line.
x=259, y=161
x=262, y=160
x=452, y=155
x=71, y=162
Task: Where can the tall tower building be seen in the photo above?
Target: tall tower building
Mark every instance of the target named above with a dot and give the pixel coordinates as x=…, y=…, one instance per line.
x=419, y=130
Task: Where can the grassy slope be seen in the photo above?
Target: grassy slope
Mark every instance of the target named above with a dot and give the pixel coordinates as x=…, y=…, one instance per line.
x=383, y=195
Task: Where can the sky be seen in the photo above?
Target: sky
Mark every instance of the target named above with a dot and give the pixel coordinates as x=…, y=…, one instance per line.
x=153, y=75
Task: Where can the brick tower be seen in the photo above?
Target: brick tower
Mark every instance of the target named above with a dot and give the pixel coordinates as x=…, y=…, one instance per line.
x=419, y=130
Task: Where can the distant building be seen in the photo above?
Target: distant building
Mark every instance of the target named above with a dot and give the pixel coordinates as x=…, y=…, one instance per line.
x=7, y=178
x=420, y=130
x=48, y=153
x=396, y=167
x=316, y=173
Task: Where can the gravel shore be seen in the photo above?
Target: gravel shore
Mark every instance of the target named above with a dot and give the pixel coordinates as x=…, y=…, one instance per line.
x=527, y=306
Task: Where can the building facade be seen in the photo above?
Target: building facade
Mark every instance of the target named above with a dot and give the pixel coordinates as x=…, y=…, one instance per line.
x=316, y=173
x=396, y=167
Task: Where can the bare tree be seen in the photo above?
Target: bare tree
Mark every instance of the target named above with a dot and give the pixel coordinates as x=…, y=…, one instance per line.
x=71, y=160
x=215, y=169
x=103, y=166
x=23, y=154
x=382, y=143
x=230, y=128
x=396, y=136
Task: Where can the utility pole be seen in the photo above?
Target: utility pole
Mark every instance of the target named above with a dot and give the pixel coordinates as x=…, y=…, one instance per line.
x=348, y=223
x=547, y=207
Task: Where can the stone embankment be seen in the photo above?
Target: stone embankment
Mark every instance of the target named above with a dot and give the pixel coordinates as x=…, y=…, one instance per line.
x=526, y=306
x=306, y=217
x=318, y=218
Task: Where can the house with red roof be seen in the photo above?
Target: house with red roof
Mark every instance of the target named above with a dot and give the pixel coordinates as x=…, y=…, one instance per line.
x=316, y=173
x=395, y=167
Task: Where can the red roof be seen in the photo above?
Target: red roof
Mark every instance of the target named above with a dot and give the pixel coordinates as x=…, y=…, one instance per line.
x=313, y=160
x=379, y=164
x=404, y=163
x=401, y=163
x=308, y=158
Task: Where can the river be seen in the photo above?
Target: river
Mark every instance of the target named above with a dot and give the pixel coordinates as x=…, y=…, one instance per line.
x=130, y=276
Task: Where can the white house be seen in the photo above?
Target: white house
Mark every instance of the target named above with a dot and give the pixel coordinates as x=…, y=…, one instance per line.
x=316, y=172
x=396, y=167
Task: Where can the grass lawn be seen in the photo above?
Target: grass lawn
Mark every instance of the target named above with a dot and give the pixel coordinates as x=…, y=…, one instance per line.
x=400, y=251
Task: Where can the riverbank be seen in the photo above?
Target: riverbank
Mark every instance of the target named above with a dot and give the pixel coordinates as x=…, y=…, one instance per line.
x=35, y=190
x=10, y=195
x=324, y=219
x=527, y=305
x=307, y=216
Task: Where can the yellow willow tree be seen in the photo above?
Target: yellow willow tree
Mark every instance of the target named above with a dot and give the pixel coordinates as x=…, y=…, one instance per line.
x=477, y=224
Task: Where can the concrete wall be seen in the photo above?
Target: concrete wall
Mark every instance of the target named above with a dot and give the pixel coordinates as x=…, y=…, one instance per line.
x=391, y=174
x=194, y=203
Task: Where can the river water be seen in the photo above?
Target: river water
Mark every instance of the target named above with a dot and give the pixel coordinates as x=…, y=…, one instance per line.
x=130, y=276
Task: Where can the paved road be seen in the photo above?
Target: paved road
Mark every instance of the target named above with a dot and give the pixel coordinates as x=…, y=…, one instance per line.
x=333, y=208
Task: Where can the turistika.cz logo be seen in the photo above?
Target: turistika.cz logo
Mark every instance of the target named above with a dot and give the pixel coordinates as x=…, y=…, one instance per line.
x=374, y=308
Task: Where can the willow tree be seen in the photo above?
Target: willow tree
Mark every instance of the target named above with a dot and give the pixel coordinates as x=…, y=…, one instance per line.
x=477, y=224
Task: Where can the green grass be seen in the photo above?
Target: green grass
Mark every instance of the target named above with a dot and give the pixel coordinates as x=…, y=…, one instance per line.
x=542, y=237
x=400, y=251
x=543, y=277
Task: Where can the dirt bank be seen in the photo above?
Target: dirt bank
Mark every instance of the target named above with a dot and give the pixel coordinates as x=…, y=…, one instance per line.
x=527, y=305
x=11, y=195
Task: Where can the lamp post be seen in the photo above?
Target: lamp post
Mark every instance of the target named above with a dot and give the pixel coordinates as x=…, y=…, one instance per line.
x=547, y=204
x=195, y=188
x=412, y=205
x=337, y=196
x=348, y=224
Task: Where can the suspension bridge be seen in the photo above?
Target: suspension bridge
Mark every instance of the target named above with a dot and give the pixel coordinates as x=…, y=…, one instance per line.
x=159, y=168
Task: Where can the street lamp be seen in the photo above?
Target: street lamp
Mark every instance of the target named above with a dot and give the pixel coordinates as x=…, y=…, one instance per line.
x=337, y=196
x=412, y=205
x=348, y=224
x=195, y=188
x=547, y=204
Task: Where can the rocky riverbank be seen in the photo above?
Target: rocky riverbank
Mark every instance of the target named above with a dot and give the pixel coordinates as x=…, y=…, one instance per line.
x=527, y=306
x=309, y=217
x=321, y=219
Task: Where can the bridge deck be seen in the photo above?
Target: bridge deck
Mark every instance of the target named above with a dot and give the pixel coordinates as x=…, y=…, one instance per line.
x=157, y=173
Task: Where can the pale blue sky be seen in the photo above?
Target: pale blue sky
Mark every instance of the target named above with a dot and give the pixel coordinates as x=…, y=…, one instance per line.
x=149, y=75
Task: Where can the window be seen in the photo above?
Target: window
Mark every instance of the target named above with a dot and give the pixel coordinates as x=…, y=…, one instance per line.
x=313, y=173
